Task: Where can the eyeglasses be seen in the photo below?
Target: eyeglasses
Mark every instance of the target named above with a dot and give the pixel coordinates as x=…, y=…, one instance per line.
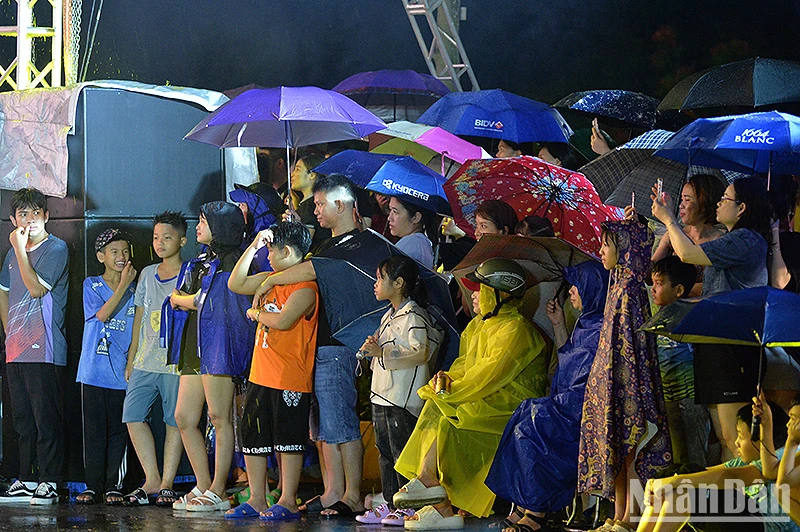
x=726, y=198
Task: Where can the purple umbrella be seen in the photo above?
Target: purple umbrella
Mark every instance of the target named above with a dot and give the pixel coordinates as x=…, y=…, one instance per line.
x=285, y=116
x=384, y=91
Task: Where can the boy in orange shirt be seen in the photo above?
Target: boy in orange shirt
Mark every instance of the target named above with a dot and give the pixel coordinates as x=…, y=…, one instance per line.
x=282, y=370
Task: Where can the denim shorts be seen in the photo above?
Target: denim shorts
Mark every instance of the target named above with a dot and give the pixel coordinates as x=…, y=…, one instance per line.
x=144, y=387
x=334, y=418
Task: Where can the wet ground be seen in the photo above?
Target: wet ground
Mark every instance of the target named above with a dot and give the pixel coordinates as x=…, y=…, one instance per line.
x=153, y=519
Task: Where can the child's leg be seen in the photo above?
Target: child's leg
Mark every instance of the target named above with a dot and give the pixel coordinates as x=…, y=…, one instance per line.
x=380, y=427
x=145, y=447
x=142, y=393
x=402, y=423
x=219, y=395
x=117, y=441
x=43, y=382
x=95, y=437
x=24, y=422
x=291, y=468
x=173, y=448
x=191, y=398
x=257, y=480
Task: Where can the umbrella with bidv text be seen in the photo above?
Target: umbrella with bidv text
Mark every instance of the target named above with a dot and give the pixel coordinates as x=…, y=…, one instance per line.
x=760, y=317
x=285, y=117
x=497, y=114
x=354, y=313
x=391, y=175
x=532, y=187
x=750, y=143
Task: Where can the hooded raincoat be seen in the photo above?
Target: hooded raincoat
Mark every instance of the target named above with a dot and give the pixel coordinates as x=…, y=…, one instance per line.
x=501, y=362
x=225, y=335
x=264, y=208
x=536, y=463
x=623, y=408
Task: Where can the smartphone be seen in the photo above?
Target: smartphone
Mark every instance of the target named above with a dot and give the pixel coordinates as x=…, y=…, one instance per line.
x=633, y=199
x=596, y=124
x=659, y=189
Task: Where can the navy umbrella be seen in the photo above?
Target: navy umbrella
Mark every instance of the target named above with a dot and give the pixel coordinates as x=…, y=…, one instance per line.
x=393, y=94
x=392, y=175
x=497, y=114
x=632, y=108
x=346, y=277
x=750, y=83
x=749, y=143
x=762, y=317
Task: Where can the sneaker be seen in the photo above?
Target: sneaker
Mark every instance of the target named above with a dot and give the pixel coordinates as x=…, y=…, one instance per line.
x=16, y=493
x=45, y=494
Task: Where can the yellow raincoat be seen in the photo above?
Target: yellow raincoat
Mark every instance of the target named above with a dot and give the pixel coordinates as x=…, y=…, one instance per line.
x=501, y=362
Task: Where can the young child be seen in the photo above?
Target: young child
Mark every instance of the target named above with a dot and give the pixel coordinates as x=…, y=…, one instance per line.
x=207, y=333
x=148, y=374
x=109, y=311
x=689, y=423
x=33, y=300
x=752, y=466
x=624, y=421
x=788, y=472
x=400, y=350
x=276, y=408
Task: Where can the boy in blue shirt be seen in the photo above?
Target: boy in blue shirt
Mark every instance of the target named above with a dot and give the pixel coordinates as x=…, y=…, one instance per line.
x=148, y=373
x=108, y=307
x=33, y=298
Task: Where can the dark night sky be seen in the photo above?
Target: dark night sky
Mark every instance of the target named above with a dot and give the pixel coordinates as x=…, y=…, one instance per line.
x=541, y=49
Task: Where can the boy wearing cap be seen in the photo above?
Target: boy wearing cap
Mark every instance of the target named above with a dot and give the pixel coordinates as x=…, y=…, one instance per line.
x=33, y=298
x=108, y=308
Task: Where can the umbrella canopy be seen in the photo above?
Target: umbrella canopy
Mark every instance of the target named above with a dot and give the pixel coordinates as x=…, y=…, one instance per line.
x=632, y=108
x=354, y=313
x=393, y=94
x=544, y=258
x=423, y=143
x=749, y=143
x=751, y=83
x=392, y=175
x=632, y=168
x=762, y=316
x=497, y=114
x=285, y=116
x=532, y=187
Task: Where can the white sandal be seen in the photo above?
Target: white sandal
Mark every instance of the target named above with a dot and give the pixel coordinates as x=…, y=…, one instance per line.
x=429, y=518
x=208, y=502
x=181, y=503
x=416, y=495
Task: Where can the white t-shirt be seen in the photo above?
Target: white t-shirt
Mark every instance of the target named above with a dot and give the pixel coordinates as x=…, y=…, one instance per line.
x=417, y=246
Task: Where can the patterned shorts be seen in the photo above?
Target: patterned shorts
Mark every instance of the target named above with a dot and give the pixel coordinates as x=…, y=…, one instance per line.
x=274, y=420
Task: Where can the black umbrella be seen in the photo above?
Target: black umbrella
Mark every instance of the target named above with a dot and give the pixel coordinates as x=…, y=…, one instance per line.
x=750, y=83
x=346, y=277
x=625, y=107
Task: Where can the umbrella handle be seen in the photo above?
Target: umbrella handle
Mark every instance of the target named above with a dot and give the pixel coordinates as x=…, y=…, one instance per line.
x=755, y=425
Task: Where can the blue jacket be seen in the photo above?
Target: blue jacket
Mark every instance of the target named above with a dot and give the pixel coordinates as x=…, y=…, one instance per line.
x=225, y=335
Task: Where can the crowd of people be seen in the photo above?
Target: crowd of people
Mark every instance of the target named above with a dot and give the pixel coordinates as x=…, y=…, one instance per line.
x=547, y=423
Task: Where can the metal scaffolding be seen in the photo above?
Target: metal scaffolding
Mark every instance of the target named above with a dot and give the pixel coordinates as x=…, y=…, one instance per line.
x=445, y=55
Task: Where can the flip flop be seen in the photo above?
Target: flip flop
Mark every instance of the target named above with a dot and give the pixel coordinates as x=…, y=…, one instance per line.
x=208, y=502
x=278, y=513
x=166, y=497
x=114, y=494
x=137, y=497
x=341, y=508
x=244, y=510
x=314, y=505
x=87, y=497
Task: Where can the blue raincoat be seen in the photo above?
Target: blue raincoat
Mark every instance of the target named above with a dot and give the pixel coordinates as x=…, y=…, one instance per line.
x=225, y=336
x=536, y=463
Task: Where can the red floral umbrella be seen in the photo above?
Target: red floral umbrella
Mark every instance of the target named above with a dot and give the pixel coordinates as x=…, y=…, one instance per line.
x=532, y=187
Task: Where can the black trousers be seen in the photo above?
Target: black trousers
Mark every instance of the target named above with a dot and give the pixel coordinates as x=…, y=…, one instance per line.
x=393, y=426
x=105, y=438
x=35, y=390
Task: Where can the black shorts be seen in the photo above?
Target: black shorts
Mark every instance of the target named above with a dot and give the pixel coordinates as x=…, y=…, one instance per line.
x=725, y=373
x=274, y=420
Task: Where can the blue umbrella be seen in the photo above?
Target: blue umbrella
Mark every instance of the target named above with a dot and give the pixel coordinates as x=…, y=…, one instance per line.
x=392, y=175
x=497, y=114
x=632, y=108
x=354, y=313
x=749, y=143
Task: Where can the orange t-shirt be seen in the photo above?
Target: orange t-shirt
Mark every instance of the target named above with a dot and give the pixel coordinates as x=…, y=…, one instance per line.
x=284, y=360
